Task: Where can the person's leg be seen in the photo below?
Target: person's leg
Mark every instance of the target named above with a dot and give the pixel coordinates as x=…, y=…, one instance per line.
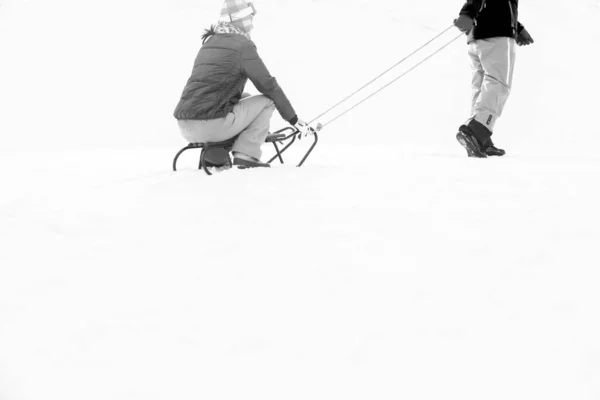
x=477, y=79
x=512, y=51
x=497, y=60
x=251, y=120
x=466, y=135
x=203, y=131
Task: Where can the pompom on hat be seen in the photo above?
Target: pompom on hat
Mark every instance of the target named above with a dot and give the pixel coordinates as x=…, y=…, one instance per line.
x=233, y=10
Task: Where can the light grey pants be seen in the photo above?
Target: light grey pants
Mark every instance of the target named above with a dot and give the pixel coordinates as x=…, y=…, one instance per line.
x=493, y=62
x=250, y=118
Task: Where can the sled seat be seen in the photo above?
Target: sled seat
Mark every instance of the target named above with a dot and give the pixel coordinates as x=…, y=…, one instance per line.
x=279, y=137
x=274, y=138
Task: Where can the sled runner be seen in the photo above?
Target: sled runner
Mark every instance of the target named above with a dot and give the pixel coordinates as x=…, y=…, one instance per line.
x=284, y=137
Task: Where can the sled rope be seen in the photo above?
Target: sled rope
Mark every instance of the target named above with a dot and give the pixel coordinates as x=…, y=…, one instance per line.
x=385, y=72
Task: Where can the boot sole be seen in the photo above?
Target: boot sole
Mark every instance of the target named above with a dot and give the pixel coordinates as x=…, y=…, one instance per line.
x=245, y=164
x=467, y=142
x=495, y=154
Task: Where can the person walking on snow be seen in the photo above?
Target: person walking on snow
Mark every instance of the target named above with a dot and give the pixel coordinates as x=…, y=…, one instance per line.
x=492, y=28
x=213, y=106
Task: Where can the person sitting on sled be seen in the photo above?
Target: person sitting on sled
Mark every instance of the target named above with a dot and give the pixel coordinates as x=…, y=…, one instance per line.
x=493, y=28
x=213, y=106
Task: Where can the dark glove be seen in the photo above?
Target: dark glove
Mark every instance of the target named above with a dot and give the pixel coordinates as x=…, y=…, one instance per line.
x=524, y=38
x=464, y=23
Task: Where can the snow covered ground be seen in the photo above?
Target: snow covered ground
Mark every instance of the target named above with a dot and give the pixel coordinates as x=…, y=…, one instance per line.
x=390, y=266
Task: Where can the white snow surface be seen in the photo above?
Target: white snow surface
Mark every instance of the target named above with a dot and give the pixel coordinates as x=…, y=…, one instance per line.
x=389, y=266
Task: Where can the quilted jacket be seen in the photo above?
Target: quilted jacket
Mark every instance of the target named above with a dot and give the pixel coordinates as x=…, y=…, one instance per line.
x=222, y=67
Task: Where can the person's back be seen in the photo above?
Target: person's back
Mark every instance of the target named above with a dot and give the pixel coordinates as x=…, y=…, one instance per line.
x=217, y=79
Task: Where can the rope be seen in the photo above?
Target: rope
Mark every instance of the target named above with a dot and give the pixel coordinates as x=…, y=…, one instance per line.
x=388, y=84
x=382, y=74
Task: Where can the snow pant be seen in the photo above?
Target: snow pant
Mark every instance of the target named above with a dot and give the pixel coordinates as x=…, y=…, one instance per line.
x=250, y=119
x=492, y=62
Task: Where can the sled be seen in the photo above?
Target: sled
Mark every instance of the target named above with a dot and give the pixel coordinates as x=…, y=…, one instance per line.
x=284, y=137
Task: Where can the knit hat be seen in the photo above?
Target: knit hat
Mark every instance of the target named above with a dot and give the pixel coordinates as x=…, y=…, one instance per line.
x=236, y=9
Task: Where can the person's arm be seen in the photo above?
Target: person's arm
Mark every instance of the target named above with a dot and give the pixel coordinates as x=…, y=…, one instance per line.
x=468, y=14
x=258, y=73
x=471, y=8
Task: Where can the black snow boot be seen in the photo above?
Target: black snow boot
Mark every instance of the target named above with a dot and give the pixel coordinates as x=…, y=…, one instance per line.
x=494, y=151
x=466, y=138
x=217, y=157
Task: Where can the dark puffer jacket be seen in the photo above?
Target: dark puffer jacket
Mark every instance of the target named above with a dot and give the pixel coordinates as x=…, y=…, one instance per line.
x=223, y=66
x=494, y=18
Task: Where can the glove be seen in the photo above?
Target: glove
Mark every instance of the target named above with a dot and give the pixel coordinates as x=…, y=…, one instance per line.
x=464, y=23
x=524, y=38
x=303, y=128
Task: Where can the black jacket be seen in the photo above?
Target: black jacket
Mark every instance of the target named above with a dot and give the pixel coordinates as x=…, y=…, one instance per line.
x=493, y=18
